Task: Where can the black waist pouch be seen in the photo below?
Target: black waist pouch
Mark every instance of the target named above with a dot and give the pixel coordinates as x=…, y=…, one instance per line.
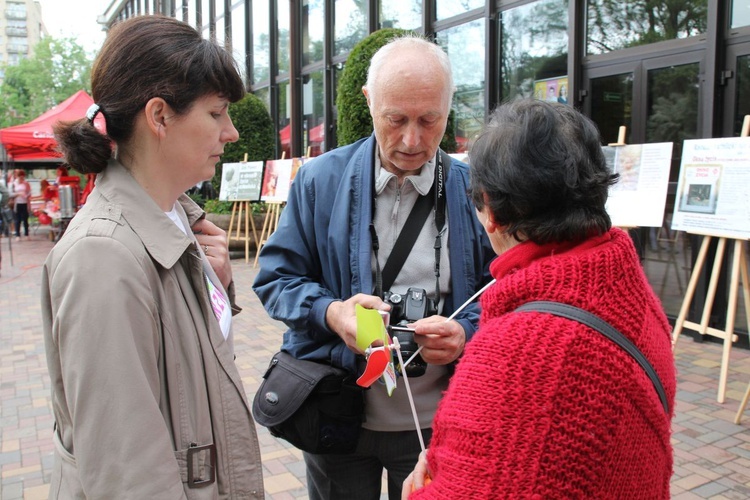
x=317, y=407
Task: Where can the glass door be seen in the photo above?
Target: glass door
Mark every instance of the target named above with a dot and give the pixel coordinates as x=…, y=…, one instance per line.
x=737, y=92
x=657, y=100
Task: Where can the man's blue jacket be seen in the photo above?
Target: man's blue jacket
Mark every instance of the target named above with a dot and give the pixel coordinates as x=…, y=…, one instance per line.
x=321, y=251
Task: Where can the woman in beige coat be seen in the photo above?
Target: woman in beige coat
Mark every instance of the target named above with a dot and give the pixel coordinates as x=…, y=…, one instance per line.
x=138, y=307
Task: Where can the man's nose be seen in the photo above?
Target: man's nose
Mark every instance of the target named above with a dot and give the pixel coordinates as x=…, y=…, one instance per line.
x=412, y=135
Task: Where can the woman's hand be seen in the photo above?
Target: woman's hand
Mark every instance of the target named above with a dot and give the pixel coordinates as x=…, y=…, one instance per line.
x=419, y=477
x=213, y=241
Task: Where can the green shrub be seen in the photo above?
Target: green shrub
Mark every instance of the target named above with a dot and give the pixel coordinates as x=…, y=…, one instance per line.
x=354, y=120
x=257, y=135
x=225, y=207
x=197, y=198
x=218, y=207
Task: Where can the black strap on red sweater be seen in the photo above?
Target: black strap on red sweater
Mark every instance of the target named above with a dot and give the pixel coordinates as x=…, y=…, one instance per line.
x=598, y=324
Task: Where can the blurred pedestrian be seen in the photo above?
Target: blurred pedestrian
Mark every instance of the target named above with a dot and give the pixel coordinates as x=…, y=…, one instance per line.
x=21, y=199
x=4, y=217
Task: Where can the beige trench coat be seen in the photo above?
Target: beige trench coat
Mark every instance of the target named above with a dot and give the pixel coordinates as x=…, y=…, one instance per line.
x=143, y=381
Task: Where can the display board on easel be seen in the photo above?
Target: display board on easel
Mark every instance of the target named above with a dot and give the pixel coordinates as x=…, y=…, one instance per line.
x=640, y=195
x=712, y=202
x=277, y=180
x=241, y=184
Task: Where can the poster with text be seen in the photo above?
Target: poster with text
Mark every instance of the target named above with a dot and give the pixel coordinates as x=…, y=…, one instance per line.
x=241, y=181
x=713, y=190
x=640, y=195
x=278, y=178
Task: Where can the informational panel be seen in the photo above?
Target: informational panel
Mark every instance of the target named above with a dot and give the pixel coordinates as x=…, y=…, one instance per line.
x=713, y=190
x=640, y=195
x=278, y=178
x=241, y=181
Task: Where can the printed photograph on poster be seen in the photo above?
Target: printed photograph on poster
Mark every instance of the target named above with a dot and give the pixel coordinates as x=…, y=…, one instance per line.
x=700, y=188
x=552, y=89
x=639, y=197
x=628, y=167
x=278, y=178
x=712, y=188
x=241, y=181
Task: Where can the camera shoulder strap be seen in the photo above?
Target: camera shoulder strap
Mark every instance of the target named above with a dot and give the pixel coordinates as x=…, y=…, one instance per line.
x=406, y=239
x=414, y=223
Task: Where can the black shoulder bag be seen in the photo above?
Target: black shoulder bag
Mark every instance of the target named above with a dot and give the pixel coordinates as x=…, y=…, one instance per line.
x=317, y=407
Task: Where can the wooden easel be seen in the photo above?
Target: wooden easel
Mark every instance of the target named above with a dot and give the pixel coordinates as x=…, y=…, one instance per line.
x=739, y=266
x=621, y=142
x=620, y=137
x=242, y=231
x=269, y=226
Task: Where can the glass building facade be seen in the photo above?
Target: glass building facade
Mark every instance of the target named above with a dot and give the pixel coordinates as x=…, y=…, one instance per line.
x=667, y=71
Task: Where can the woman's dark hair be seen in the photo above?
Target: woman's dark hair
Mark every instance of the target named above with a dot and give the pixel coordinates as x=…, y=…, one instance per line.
x=145, y=57
x=540, y=169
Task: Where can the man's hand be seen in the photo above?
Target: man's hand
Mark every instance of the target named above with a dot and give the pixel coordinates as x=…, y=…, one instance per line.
x=442, y=341
x=341, y=317
x=213, y=241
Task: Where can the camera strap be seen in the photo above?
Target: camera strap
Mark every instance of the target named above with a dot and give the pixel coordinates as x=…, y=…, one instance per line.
x=412, y=227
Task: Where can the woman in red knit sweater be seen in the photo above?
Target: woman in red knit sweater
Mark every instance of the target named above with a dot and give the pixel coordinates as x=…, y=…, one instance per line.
x=542, y=406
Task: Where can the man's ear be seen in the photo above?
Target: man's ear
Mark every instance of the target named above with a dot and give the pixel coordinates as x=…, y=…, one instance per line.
x=157, y=110
x=367, y=95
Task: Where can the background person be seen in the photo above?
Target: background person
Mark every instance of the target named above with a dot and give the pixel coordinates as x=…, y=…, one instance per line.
x=136, y=308
x=4, y=217
x=542, y=406
x=21, y=193
x=320, y=261
x=60, y=172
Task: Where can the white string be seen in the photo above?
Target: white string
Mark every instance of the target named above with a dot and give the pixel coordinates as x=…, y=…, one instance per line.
x=471, y=299
x=397, y=348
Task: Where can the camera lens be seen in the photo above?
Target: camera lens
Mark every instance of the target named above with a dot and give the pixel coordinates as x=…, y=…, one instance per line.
x=417, y=367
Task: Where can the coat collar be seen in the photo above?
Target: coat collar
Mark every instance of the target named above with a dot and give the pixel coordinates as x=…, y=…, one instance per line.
x=163, y=240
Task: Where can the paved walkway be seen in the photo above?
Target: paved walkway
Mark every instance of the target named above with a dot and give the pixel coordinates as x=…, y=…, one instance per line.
x=712, y=454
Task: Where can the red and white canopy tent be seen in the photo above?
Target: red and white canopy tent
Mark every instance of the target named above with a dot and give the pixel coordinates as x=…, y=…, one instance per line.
x=35, y=141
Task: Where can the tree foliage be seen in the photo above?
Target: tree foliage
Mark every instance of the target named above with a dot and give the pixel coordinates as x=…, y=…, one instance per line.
x=614, y=24
x=59, y=68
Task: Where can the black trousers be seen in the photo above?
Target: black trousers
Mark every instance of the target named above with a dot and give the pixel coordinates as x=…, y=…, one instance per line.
x=22, y=217
x=359, y=475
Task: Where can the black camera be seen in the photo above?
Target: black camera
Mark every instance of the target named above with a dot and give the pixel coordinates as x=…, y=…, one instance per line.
x=407, y=308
